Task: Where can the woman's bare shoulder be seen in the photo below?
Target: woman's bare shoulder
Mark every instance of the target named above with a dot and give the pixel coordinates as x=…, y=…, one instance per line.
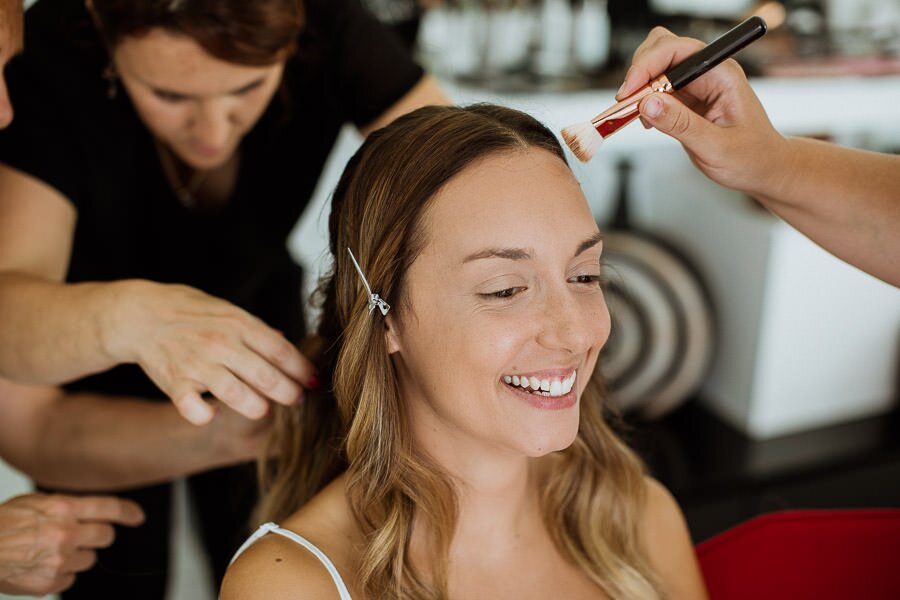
x=667, y=542
x=277, y=568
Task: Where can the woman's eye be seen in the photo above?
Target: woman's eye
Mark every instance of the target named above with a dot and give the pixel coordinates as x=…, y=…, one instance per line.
x=169, y=96
x=504, y=293
x=588, y=279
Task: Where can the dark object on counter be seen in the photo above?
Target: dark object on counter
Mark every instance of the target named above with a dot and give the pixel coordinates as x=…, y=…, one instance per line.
x=630, y=13
x=402, y=17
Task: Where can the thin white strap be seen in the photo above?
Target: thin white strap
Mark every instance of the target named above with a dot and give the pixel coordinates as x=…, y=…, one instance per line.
x=266, y=528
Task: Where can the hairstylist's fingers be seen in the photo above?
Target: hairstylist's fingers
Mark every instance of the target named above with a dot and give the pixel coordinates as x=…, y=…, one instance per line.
x=670, y=116
x=280, y=352
x=229, y=389
x=661, y=50
x=189, y=403
x=108, y=509
x=267, y=379
x=81, y=560
x=41, y=583
x=93, y=535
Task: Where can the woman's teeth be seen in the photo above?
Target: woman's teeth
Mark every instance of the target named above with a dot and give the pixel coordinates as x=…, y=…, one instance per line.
x=544, y=387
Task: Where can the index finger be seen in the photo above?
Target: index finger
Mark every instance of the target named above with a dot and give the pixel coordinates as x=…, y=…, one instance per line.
x=661, y=50
x=107, y=509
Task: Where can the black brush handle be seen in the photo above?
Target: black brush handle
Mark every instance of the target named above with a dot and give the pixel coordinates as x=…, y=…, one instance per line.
x=718, y=50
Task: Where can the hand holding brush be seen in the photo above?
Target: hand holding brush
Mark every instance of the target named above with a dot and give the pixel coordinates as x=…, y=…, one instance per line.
x=844, y=199
x=585, y=138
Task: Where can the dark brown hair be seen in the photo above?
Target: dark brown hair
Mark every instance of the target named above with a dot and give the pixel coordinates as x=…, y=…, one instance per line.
x=246, y=32
x=357, y=421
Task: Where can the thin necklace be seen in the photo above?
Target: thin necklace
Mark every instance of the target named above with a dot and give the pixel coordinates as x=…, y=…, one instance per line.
x=185, y=188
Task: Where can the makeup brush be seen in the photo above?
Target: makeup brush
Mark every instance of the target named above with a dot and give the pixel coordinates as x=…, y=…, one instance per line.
x=585, y=138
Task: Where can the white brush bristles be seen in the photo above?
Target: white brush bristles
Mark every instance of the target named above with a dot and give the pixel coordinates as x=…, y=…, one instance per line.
x=583, y=140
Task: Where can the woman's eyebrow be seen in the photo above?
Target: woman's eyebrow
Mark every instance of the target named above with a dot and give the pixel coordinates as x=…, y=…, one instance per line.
x=236, y=91
x=508, y=253
x=246, y=88
x=589, y=243
x=523, y=254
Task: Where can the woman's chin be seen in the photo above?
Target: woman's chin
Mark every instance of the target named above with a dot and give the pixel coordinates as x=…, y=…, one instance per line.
x=203, y=158
x=548, y=440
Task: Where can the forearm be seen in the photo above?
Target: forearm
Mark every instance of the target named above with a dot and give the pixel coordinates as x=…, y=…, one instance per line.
x=89, y=442
x=846, y=200
x=53, y=332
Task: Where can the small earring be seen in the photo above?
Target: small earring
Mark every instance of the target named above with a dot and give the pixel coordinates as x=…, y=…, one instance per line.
x=112, y=78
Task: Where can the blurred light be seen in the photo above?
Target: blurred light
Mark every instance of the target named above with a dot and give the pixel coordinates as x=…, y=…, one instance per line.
x=772, y=13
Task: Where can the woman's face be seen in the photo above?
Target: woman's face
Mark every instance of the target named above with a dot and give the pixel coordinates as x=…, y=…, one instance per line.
x=505, y=297
x=198, y=105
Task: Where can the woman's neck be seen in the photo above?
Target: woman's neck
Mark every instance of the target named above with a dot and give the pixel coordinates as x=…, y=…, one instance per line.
x=498, y=509
x=498, y=500
x=199, y=189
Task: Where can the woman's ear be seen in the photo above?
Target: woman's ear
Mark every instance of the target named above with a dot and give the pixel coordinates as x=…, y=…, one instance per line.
x=391, y=336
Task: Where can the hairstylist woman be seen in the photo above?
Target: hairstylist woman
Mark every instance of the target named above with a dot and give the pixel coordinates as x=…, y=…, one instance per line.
x=161, y=153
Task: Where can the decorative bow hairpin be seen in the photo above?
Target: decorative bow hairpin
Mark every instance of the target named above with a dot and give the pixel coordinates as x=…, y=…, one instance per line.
x=375, y=301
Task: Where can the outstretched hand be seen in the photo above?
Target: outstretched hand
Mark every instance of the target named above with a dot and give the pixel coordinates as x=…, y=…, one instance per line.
x=190, y=343
x=717, y=117
x=46, y=539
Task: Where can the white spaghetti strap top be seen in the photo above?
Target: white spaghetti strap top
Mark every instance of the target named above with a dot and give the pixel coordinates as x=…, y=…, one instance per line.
x=265, y=528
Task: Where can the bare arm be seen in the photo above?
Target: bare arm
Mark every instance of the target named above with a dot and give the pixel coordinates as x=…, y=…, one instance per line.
x=186, y=341
x=89, y=442
x=665, y=538
x=845, y=200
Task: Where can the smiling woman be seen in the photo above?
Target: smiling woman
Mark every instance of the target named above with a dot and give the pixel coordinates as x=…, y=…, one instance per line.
x=476, y=461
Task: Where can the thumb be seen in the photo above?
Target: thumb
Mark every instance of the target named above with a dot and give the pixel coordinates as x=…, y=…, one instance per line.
x=667, y=114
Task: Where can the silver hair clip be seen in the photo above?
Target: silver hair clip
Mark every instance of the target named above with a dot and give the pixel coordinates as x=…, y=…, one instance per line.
x=375, y=301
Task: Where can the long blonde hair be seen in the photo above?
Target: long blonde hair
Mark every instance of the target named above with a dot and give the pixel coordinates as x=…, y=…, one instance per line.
x=592, y=501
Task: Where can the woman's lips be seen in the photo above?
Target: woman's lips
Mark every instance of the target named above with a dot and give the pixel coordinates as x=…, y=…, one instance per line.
x=538, y=400
x=206, y=151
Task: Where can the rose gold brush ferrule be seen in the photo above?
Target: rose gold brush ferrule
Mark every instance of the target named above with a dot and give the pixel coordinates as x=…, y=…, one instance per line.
x=625, y=111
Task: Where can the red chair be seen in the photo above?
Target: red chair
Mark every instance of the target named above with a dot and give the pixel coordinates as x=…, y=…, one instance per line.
x=793, y=555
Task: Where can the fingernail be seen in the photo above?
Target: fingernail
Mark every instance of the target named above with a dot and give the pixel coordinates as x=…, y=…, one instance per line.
x=313, y=382
x=622, y=87
x=653, y=107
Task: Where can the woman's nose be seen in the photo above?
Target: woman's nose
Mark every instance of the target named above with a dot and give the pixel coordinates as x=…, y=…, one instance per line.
x=212, y=125
x=567, y=324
